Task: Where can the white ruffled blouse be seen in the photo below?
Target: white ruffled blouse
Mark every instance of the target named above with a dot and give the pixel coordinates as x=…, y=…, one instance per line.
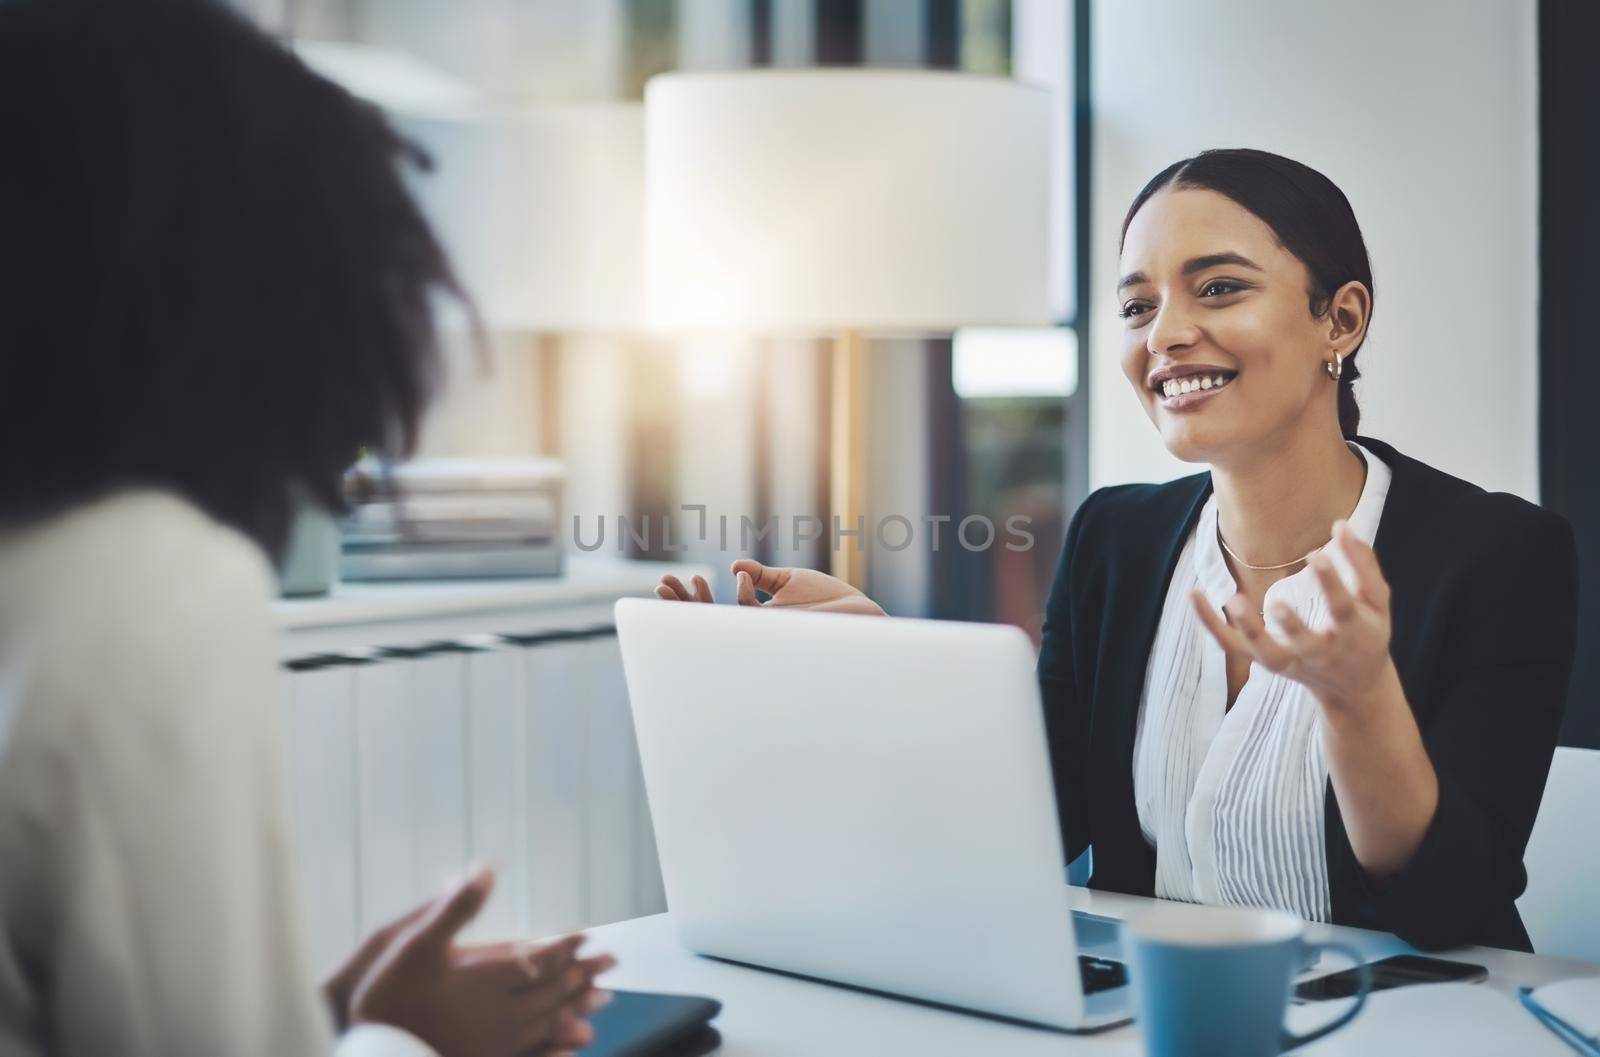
x=1232, y=799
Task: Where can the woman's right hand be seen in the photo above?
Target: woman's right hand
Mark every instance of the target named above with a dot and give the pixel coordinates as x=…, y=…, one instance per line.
x=796, y=588
x=490, y=1000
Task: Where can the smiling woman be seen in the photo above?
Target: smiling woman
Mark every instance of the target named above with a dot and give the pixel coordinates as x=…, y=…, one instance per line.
x=1377, y=755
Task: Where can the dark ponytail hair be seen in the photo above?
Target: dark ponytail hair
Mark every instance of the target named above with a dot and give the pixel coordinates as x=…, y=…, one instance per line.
x=1307, y=212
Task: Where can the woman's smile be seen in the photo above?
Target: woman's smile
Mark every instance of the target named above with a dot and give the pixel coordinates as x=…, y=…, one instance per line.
x=1188, y=390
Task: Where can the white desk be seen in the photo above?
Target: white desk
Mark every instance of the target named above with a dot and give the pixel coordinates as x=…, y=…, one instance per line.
x=771, y=1015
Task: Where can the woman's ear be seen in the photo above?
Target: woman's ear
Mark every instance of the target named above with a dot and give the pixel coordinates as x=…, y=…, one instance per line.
x=1349, y=310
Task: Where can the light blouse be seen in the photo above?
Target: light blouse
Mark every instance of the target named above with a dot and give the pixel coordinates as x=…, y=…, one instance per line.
x=149, y=898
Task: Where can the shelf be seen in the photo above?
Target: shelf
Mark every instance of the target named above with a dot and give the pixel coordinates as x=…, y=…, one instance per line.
x=586, y=580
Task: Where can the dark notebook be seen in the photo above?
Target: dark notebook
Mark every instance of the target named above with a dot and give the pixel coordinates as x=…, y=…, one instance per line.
x=646, y=1024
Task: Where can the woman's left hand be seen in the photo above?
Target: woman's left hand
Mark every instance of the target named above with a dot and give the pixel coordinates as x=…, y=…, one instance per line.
x=1341, y=664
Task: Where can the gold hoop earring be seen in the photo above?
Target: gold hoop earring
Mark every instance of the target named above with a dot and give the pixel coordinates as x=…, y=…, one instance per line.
x=1334, y=367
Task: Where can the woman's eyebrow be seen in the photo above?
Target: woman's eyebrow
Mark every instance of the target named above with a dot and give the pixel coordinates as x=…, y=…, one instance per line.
x=1195, y=264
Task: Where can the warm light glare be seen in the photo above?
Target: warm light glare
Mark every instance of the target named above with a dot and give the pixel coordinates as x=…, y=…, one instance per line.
x=1015, y=362
x=709, y=365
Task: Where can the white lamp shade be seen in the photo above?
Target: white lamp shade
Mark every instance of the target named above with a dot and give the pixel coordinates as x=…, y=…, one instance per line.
x=541, y=211
x=808, y=201
x=540, y=208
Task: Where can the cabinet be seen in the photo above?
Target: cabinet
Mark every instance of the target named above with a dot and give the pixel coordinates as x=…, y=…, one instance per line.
x=432, y=726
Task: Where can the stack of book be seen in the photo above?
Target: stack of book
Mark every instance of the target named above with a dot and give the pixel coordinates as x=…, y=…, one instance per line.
x=437, y=519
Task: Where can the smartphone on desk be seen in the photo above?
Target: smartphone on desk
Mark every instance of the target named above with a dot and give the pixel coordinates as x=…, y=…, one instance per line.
x=1398, y=971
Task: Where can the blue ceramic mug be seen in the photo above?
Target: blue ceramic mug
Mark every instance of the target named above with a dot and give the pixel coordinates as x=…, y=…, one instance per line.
x=1215, y=980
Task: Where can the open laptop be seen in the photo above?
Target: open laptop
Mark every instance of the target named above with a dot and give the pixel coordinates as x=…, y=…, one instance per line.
x=863, y=800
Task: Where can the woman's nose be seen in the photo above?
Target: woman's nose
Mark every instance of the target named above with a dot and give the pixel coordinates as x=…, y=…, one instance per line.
x=1173, y=328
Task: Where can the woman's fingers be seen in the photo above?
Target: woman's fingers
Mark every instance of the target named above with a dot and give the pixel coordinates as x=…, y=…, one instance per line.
x=549, y=948
x=671, y=588
x=537, y=964
x=1259, y=642
x=555, y=1020
x=1293, y=630
x=1227, y=637
x=561, y=1034
x=521, y=967
x=386, y=935
x=562, y=949
x=1341, y=603
x=768, y=578
x=1370, y=581
x=572, y=1033
x=1247, y=634
x=465, y=954
x=509, y=976
x=797, y=587
x=600, y=963
x=541, y=1002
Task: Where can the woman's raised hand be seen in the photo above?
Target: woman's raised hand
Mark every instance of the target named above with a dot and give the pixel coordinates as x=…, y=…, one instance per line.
x=796, y=588
x=479, y=1001
x=1343, y=663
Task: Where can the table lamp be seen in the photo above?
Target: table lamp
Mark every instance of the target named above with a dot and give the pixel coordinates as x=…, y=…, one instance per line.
x=843, y=202
x=539, y=205
x=541, y=208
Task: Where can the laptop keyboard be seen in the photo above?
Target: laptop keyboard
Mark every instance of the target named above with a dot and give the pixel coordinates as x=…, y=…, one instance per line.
x=1100, y=974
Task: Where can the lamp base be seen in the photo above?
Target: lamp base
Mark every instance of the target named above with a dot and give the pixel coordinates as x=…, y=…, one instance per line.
x=847, y=459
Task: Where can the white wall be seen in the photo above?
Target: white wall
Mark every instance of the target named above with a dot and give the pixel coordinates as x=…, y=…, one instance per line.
x=1425, y=113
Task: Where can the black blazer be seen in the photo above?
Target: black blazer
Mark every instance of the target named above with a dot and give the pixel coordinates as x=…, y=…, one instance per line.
x=1484, y=604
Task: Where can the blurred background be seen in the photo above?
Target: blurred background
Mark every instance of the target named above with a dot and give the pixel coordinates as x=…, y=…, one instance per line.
x=1428, y=114
x=738, y=424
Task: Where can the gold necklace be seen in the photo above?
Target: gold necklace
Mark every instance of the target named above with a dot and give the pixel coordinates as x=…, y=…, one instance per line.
x=1264, y=568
